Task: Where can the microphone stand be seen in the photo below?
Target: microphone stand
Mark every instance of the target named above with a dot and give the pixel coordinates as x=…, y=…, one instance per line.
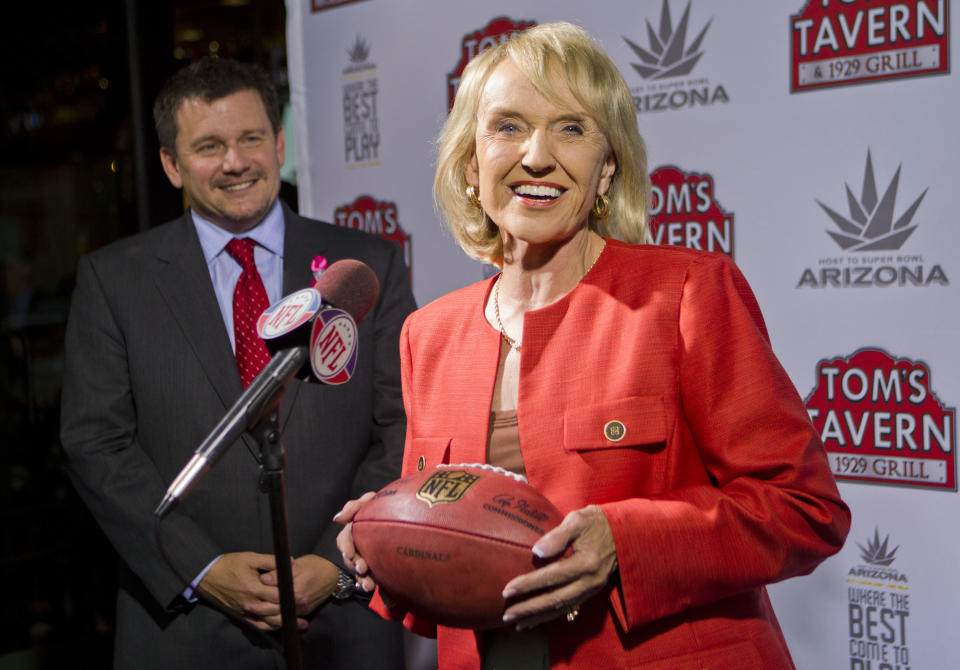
x=273, y=458
x=255, y=412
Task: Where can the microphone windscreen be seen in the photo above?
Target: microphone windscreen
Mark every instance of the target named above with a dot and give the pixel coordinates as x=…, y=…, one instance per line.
x=350, y=285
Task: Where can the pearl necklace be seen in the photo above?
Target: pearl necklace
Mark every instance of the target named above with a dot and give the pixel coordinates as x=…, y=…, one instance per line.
x=515, y=344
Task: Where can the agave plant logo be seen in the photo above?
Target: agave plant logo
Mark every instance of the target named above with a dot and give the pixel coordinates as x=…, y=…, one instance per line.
x=359, y=52
x=876, y=553
x=870, y=226
x=668, y=55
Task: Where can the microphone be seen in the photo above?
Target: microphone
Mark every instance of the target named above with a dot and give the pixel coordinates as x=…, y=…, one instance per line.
x=323, y=319
x=303, y=324
x=257, y=400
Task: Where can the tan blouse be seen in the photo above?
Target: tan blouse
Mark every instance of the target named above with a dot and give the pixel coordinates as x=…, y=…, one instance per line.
x=505, y=648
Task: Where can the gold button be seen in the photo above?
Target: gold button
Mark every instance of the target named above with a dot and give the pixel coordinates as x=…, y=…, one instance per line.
x=421, y=463
x=614, y=430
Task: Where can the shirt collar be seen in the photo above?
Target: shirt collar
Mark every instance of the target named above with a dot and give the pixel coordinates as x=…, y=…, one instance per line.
x=268, y=233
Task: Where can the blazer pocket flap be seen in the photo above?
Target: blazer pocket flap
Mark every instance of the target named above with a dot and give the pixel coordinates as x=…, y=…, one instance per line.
x=620, y=423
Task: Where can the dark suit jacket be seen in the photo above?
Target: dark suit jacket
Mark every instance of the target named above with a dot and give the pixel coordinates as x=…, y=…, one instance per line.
x=149, y=372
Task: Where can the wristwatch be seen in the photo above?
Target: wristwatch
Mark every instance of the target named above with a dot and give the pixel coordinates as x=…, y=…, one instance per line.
x=346, y=585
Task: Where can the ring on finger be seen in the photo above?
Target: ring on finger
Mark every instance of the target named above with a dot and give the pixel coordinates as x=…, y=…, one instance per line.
x=572, y=612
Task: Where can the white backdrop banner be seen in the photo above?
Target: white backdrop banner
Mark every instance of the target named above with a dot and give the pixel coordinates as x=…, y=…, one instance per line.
x=812, y=142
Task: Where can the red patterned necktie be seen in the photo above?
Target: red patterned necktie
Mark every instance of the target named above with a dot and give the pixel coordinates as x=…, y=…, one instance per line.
x=249, y=301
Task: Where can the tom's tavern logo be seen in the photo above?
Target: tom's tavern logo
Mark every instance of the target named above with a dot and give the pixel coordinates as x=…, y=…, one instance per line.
x=497, y=31
x=882, y=423
x=841, y=42
x=378, y=217
x=685, y=212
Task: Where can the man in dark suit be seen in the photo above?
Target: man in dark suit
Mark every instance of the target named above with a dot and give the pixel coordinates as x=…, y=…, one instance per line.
x=150, y=369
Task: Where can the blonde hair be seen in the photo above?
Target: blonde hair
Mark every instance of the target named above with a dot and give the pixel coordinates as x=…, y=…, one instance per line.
x=597, y=85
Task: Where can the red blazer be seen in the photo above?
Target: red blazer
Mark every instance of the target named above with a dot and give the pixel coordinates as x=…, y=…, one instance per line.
x=718, y=486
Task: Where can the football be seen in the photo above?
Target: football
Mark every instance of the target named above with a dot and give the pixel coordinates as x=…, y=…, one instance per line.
x=443, y=543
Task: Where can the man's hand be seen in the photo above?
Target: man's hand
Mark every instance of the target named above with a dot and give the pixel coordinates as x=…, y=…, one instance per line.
x=234, y=581
x=314, y=581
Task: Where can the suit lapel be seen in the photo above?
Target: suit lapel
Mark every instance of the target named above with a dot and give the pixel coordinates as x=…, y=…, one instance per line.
x=299, y=249
x=184, y=282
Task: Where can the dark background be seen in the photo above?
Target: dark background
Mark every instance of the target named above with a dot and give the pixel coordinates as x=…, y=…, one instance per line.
x=79, y=169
